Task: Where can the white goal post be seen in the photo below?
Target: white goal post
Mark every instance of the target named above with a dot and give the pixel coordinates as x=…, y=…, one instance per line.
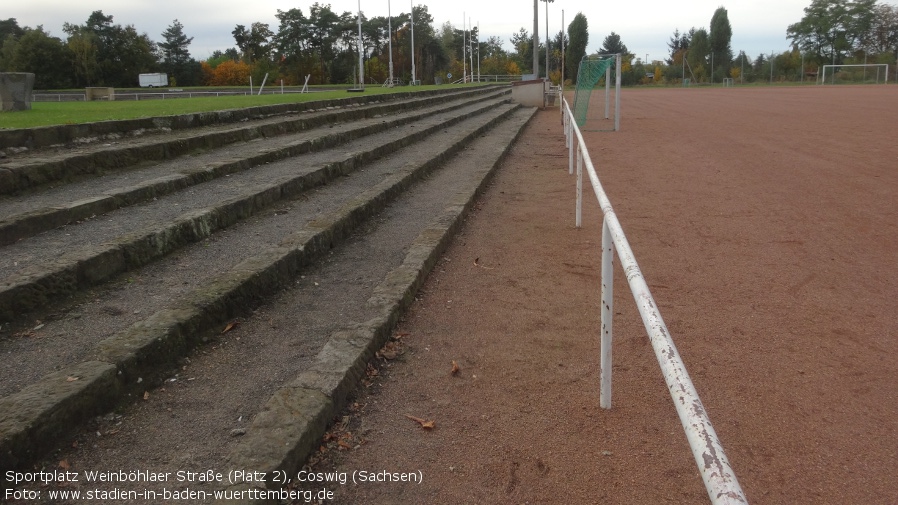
x=877, y=65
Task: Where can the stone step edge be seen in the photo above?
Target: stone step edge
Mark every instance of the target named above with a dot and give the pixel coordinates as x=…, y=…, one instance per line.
x=293, y=422
x=19, y=226
x=35, y=419
x=93, y=265
x=19, y=176
x=60, y=134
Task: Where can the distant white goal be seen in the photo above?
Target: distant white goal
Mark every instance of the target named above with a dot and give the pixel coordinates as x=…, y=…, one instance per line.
x=877, y=73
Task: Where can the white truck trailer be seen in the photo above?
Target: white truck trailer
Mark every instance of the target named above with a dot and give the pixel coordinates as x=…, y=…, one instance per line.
x=153, y=80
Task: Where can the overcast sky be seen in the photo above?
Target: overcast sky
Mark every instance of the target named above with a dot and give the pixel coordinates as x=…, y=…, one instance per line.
x=759, y=26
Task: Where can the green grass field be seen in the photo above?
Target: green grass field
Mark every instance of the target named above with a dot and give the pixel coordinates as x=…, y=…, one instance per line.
x=56, y=113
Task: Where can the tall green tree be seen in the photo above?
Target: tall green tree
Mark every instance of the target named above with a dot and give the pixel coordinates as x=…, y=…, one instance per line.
x=10, y=27
x=121, y=52
x=176, y=60
x=613, y=45
x=44, y=56
x=882, y=37
x=82, y=45
x=698, y=54
x=720, y=37
x=578, y=37
x=174, y=48
x=255, y=42
x=832, y=29
x=677, y=45
x=523, y=46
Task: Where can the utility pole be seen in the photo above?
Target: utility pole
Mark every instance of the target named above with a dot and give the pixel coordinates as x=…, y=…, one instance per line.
x=464, y=55
x=390, y=40
x=471, y=48
x=361, y=62
x=536, y=39
x=548, y=38
x=413, y=40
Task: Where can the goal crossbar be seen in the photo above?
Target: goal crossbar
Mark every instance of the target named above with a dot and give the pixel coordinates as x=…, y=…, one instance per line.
x=823, y=76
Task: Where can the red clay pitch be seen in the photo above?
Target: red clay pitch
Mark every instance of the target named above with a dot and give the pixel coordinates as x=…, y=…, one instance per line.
x=765, y=221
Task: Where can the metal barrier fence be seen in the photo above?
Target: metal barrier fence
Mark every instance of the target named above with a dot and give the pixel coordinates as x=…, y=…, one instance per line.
x=164, y=95
x=720, y=481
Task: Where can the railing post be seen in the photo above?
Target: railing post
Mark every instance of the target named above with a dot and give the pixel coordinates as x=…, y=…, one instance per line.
x=607, y=315
x=579, y=215
x=572, y=143
x=617, y=80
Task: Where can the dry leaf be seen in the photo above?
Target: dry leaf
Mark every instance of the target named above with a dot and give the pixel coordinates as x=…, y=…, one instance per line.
x=390, y=351
x=64, y=464
x=233, y=324
x=427, y=425
x=146, y=395
x=71, y=379
x=344, y=445
x=477, y=264
x=455, y=368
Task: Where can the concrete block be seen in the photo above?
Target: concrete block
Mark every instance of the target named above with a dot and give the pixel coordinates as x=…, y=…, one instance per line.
x=15, y=91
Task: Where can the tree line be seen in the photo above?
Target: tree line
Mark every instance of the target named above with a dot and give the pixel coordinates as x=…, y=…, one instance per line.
x=837, y=32
x=323, y=45
x=318, y=43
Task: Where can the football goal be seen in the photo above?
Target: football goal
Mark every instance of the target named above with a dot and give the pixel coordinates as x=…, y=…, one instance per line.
x=590, y=106
x=873, y=73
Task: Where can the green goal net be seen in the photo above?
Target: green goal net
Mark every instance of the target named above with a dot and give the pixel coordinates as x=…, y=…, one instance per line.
x=592, y=69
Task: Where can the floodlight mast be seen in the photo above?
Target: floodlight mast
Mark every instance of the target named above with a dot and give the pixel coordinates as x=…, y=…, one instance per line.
x=361, y=61
x=413, y=40
x=464, y=54
x=471, y=48
x=390, y=39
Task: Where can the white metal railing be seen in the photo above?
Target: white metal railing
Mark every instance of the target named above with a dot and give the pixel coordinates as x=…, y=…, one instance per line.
x=163, y=95
x=720, y=481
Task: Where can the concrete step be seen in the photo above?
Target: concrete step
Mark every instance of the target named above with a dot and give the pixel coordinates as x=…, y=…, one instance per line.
x=108, y=177
x=104, y=353
x=62, y=261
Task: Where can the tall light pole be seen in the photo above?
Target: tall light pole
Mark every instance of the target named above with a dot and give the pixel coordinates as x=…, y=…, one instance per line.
x=478, y=51
x=548, y=38
x=413, y=41
x=535, y=39
x=361, y=61
x=471, y=47
x=390, y=39
x=464, y=48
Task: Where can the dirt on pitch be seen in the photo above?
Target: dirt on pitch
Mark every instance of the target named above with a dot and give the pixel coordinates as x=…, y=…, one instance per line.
x=764, y=221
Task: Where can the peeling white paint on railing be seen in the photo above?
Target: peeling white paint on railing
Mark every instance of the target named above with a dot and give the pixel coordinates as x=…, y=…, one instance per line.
x=720, y=481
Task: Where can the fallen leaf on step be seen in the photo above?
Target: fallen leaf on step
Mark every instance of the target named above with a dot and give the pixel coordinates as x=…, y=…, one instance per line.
x=233, y=324
x=427, y=425
x=146, y=395
x=455, y=368
x=71, y=379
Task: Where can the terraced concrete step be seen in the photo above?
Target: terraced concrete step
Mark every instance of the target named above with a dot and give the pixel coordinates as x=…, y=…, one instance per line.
x=30, y=214
x=138, y=351
x=43, y=268
x=73, y=328
x=280, y=349
x=49, y=136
